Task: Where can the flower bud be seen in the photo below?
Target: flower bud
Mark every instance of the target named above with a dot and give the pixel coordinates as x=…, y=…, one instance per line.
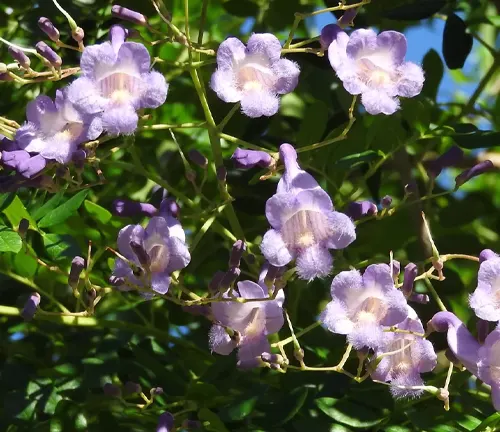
x=328, y=35
x=359, y=209
x=116, y=281
x=156, y=391
x=221, y=173
x=346, y=19
x=23, y=227
x=271, y=274
x=77, y=266
x=419, y=298
x=271, y=358
x=228, y=279
x=49, y=29
x=451, y=157
x=112, y=390
x=48, y=54
x=299, y=354
x=129, y=15
x=236, y=253
x=78, y=34
x=476, y=170
x=386, y=201
x=131, y=387
x=126, y=208
x=19, y=56
x=486, y=254
x=197, y=158
x=169, y=207
x=140, y=253
x=409, y=278
x=214, y=284
x=243, y=158
x=396, y=268
x=166, y=423
x=30, y=307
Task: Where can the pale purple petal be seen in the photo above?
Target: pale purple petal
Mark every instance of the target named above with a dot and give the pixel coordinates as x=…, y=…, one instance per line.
x=345, y=284
x=344, y=231
x=274, y=315
x=120, y=120
x=486, y=298
x=230, y=51
x=287, y=74
x=368, y=335
x=393, y=42
x=252, y=348
x=411, y=79
x=39, y=107
x=29, y=167
x=378, y=102
x=274, y=249
x=84, y=94
x=156, y=90
x=379, y=276
x=224, y=84
x=219, y=341
x=125, y=236
x=259, y=103
x=360, y=42
x=313, y=262
x=401, y=386
x=279, y=208
x=294, y=177
x=179, y=256
x=335, y=318
x=133, y=55
x=160, y=282
x=96, y=57
x=328, y=34
x=250, y=290
x=265, y=44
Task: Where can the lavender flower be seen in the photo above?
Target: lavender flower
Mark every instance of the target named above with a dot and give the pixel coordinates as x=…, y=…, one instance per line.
x=489, y=365
x=246, y=159
x=304, y=223
x=476, y=170
x=162, y=243
x=462, y=344
x=49, y=29
x=254, y=75
x=374, y=67
x=414, y=356
x=54, y=129
x=485, y=300
x=116, y=81
x=252, y=321
x=362, y=305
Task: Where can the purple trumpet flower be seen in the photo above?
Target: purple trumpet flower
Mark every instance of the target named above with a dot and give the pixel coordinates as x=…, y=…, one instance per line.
x=485, y=300
x=449, y=158
x=373, y=65
x=462, y=344
x=476, y=170
x=55, y=129
x=412, y=356
x=117, y=81
x=246, y=159
x=362, y=306
x=360, y=209
x=489, y=365
x=160, y=248
x=304, y=224
x=254, y=74
x=252, y=322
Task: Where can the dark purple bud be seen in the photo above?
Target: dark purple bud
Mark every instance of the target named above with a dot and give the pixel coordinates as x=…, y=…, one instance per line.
x=271, y=358
x=476, y=170
x=346, y=19
x=221, y=173
x=419, y=298
x=129, y=15
x=396, y=268
x=156, y=391
x=243, y=158
x=198, y=310
x=116, y=281
x=77, y=266
x=483, y=330
x=140, y=253
x=236, y=253
x=214, y=284
x=197, y=158
x=166, y=423
x=451, y=157
x=191, y=424
x=78, y=34
x=328, y=35
x=18, y=55
x=229, y=277
x=386, y=201
x=275, y=366
x=250, y=363
x=5, y=77
x=359, y=209
x=48, y=28
x=23, y=227
x=32, y=166
x=486, y=254
x=169, y=207
x=131, y=387
x=126, y=208
x=30, y=307
x=409, y=278
x=48, y=54
x=112, y=390
x=117, y=35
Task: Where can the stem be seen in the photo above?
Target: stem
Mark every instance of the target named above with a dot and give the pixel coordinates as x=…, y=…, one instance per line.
x=202, y=21
x=297, y=335
x=199, y=125
x=434, y=293
x=228, y=117
x=242, y=143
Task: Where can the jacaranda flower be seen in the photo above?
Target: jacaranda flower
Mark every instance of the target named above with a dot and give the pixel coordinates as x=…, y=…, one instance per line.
x=485, y=300
x=304, y=223
x=54, y=128
x=362, y=306
x=155, y=253
x=254, y=75
x=489, y=365
x=116, y=81
x=374, y=67
x=411, y=356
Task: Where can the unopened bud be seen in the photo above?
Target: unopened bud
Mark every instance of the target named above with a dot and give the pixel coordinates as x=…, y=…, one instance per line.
x=78, y=34
x=131, y=387
x=140, y=253
x=48, y=54
x=438, y=265
x=49, y=29
x=156, y=391
x=386, y=201
x=237, y=251
x=247, y=159
x=396, y=268
x=112, y=390
x=190, y=176
x=360, y=209
x=409, y=278
x=299, y=354
x=77, y=266
x=419, y=298
x=346, y=20
x=30, y=307
x=166, y=423
x=451, y=157
x=476, y=170
x=221, y=173
x=228, y=279
x=91, y=296
x=23, y=227
x=129, y=15
x=214, y=284
x=271, y=358
x=486, y=254
x=126, y=208
x=197, y=158
x=328, y=35
x=18, y=55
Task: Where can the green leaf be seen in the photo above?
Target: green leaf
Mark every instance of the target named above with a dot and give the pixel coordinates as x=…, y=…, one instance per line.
x=240, y=409
x=6, y=199
x=214, y=422
x=24, y=263
x=470, y=137
x=10, y=241
x=313, y=125
x=97, y=212
x=351, y=161
x=457, y=43
x=434, y=70
x=59, y=246
x=294, y=401
x=63, y=212
x=419, y=9
x=489, y=424
x=51, y=204
x=16, y=211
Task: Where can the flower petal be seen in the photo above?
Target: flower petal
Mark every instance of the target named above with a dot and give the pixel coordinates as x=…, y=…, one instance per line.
x=274, y=249
x=219, y=341
x=379, y=102
x=125, y=236
x=160, y=282
x=259, y=103
x=394, y=43
x=250, y=290
x=344, y=230
x=335, y=318
x=231, y=51
x=411, y=79
x=266, y=44
x=287, y=74
x=224, y=84
x=313, y=262
x=179, y=256
x=155, y=92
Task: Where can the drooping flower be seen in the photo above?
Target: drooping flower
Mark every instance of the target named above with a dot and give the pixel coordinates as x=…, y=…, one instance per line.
x=449, y=158
x=362, y=306
x=489, y=365
x=412, y=355
x=166, y=422
x=304, y=224
x=251, y=322
x=476, y=170
x=246, y=159
x=485, y=300
x=154, y=252
x=116, y=81
x=54, y=128
x=373, y=65
x=254, y=75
